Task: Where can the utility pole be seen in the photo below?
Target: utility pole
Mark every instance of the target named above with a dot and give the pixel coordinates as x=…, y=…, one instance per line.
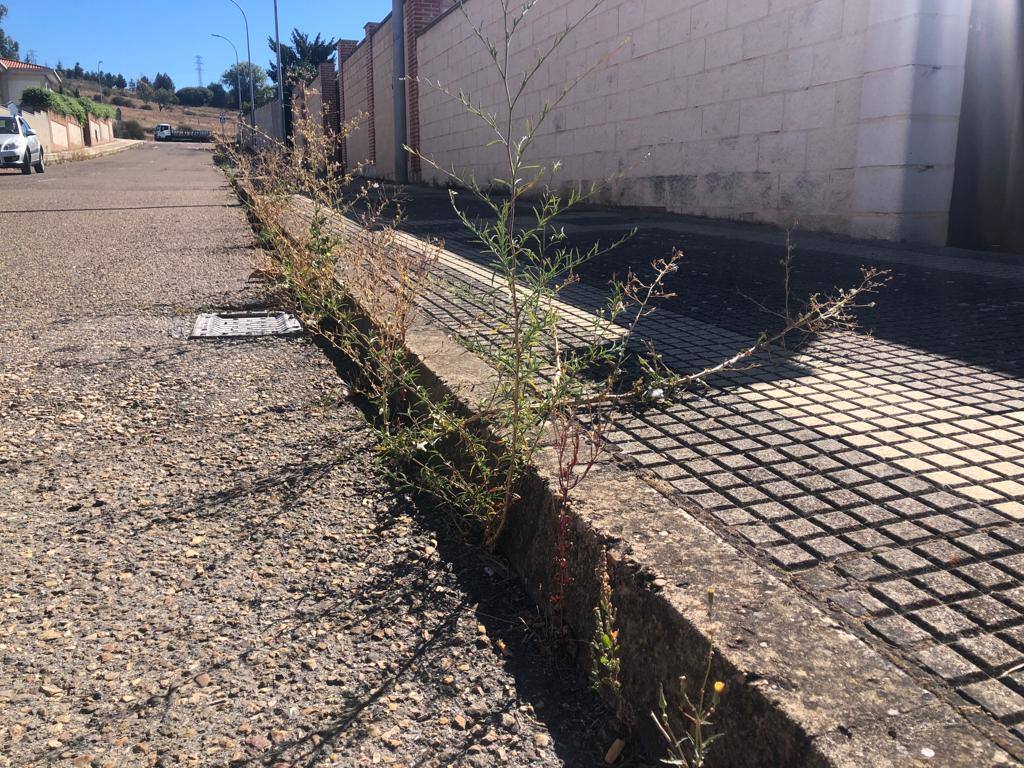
x=199, y=69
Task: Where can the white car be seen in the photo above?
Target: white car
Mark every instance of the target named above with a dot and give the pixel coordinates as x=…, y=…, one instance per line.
x=19, y=146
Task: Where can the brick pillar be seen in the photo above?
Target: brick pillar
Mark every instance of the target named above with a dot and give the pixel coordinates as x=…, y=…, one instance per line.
x=371, y=121
x=329, y=97
x=418, y=14
x=345, y=49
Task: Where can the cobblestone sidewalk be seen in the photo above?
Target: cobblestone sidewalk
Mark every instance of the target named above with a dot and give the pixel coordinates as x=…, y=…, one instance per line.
x=883, y=475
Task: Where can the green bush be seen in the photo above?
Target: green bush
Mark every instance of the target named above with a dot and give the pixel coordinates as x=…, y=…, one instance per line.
x=131, y=129
x=121, y=101
x=38, y=99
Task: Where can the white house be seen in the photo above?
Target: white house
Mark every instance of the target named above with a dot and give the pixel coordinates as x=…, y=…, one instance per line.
x=16, y=76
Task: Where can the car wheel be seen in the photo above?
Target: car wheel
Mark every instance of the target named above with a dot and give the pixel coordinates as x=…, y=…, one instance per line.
x=41, y=163
x=26, y=166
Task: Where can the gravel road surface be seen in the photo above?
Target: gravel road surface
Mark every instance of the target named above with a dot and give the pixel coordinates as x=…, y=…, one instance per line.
x=201, y=561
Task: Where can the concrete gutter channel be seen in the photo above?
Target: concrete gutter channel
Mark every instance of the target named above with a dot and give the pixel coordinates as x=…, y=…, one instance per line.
x=801, y=690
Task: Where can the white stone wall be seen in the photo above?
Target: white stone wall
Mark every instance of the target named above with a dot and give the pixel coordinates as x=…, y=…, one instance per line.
x=268, y=125
x=384, y=100
x=837, y=114
x=356, y=102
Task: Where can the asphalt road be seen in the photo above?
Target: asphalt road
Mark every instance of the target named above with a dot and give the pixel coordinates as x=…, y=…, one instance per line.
x=201, y=560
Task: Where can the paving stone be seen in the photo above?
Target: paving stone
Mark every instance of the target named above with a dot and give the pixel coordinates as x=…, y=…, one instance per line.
x=942, y=622
x=1014, y=565
x=945, y=586
x=906, y=532
x=760, y=534
x=837, y=522
x=901, y=594
x=942, y=524
x=898, y=631
x=943, y=661
x=828, y=547
x=944, y=554
x=989, y=652
x=863, y=568
x=997, y=699
x=987, y=577
x=983, y=545
x=790, y=556
x=771, y=510
x=859, y=603
x=799, y=529
x=733, y=516
x=904, y=561
x=872, y=514
x=988, y=612
x=868, y=539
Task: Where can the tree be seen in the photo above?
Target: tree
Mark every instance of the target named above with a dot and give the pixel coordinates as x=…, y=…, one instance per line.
x=163, y=81
x=144, y=89
x=246, y=73
x=120, y=82
x=302, y=58
x=78, y=72
x=218, y=95
x=31, y=57
x=8, y=45
x=164, y=98
x=194, y=97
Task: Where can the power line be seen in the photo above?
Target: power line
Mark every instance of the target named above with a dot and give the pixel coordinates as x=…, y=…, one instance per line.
x=199, y=69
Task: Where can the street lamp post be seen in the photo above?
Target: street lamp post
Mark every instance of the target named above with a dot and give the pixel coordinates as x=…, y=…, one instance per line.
x=238, y=75
x=280, y=69
x=248, y=54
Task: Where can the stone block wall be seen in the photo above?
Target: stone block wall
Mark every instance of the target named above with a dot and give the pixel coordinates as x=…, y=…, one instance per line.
x=357, y=94
x=837, y=114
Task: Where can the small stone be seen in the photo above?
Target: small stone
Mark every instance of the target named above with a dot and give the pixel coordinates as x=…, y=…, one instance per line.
x=460, y=722
x=258, y=742
x=16, y=733
x=614, y=751
x=141, y=748
x=83, y=761
x=51, y=690
x=202, y=679
x=49, y=635
x=541, y=740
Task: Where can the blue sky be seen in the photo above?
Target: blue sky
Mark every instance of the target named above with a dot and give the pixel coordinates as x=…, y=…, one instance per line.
x=147, y=36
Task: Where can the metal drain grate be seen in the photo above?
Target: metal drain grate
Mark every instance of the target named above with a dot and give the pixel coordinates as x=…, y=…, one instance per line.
x=245, y=324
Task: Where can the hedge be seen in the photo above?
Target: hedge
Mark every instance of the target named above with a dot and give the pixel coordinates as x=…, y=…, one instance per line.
x=77, y=107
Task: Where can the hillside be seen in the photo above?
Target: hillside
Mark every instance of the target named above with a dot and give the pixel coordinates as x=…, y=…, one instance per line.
x=198, y=118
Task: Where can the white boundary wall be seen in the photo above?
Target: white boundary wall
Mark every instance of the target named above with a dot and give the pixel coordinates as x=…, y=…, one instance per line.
x=841, y=115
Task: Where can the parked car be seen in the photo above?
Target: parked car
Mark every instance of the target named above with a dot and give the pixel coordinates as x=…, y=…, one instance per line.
x=164, y=132
x=19, y=145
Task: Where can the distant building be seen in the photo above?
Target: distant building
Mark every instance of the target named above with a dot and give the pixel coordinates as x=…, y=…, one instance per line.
x=17, y=76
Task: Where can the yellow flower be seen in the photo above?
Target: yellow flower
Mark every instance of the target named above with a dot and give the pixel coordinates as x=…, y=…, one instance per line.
x=719, y=687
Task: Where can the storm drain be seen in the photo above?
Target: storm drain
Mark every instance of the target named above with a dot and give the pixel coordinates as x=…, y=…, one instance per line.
x=244, y=325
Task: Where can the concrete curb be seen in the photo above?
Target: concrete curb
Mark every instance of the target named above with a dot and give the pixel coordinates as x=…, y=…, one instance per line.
x=91, y=153
x=801, y=690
